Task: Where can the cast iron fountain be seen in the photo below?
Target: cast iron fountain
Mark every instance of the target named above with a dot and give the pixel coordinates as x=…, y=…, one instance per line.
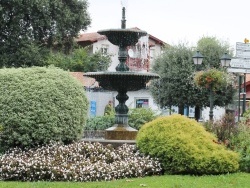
x=122, y=80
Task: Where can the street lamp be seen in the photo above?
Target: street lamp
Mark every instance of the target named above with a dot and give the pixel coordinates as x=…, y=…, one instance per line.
x=225, y=62
x=197, y=58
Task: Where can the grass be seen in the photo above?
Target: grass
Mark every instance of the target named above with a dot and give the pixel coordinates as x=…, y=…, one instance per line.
x=241, y=180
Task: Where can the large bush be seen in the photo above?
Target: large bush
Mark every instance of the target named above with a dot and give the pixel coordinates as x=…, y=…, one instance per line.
x=39, y=105
x=184, y=147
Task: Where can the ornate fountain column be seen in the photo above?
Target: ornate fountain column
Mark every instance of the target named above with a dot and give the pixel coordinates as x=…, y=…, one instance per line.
x=121, y=109
x=121, y=130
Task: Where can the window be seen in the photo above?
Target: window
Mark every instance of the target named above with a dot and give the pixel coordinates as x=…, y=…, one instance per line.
x=152, y=53
x=104, y=49
x=141, y=103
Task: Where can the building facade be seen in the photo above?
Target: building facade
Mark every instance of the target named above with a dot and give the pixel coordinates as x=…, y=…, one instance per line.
x=140, y=58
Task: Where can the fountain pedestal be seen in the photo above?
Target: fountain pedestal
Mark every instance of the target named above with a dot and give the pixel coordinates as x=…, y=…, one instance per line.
x=120, y=132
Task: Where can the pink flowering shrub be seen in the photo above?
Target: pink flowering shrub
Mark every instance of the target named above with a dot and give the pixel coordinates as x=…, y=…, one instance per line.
x=79, y=161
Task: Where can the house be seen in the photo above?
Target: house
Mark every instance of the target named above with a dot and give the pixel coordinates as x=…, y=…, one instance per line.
x=247, y=87
x=98, y=100
x=140, y=58
x=247, y=84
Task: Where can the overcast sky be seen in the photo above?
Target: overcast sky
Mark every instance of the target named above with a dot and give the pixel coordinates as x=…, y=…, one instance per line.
x=175, y=21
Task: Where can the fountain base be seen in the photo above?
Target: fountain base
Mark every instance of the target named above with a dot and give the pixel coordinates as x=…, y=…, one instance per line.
x=120, y=132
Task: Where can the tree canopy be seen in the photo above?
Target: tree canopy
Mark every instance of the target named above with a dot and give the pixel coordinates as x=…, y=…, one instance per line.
x=175, y=87
x=176, y=68
x=80, y=60
x=38, y=25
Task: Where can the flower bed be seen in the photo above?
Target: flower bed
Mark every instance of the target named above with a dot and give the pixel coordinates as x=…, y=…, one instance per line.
x=79, y=161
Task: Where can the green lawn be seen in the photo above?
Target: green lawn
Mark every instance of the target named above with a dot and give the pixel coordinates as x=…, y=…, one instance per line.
x=241, y=180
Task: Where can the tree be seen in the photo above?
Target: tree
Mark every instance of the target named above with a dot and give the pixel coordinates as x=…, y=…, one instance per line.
x=80, y=61
x=44, y=24
x=212, y=49
x=175, y=87
x=176, y=68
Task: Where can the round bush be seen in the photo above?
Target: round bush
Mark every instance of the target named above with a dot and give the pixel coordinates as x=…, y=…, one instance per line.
x=184, y=147
x=39, y=105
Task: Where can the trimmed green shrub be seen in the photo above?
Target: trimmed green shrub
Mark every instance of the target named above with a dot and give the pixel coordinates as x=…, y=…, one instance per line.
x=184, y=147
x=100, y=122
x=39, y=105
x=140, y=116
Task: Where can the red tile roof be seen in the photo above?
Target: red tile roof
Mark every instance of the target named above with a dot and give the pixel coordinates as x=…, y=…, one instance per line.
x=158, y=41
x=92, y=37
x=86, y=81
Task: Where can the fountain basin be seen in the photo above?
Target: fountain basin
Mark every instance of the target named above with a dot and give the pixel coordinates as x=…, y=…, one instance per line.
x=125, y=81
x=123, y=37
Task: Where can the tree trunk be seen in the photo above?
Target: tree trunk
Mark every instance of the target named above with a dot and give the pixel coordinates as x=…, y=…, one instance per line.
x=197, y=113
x=181, y=110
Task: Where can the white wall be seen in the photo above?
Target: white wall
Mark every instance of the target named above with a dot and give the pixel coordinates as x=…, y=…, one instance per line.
x=218, y=112
x=101, y=99
x=113, y=51
x=141, y=94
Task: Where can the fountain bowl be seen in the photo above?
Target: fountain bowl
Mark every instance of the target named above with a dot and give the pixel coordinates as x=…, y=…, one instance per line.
x=123, y=37
x=126, y=81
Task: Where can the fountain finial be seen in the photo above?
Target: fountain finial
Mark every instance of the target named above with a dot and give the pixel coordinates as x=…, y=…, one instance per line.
x=123, y=18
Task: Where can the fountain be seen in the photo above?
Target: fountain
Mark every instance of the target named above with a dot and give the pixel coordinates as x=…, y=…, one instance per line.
x=122, y=80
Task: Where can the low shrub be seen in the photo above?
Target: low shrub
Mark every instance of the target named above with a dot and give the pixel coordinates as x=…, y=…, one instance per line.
x=140, y=116
x=184, y=147
x=109, y=109
x=100, y=122
x=78, y=161
x=136, y=118
x=225, y=129
x=39, y=105
x=246, y=117
x=241, y=144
